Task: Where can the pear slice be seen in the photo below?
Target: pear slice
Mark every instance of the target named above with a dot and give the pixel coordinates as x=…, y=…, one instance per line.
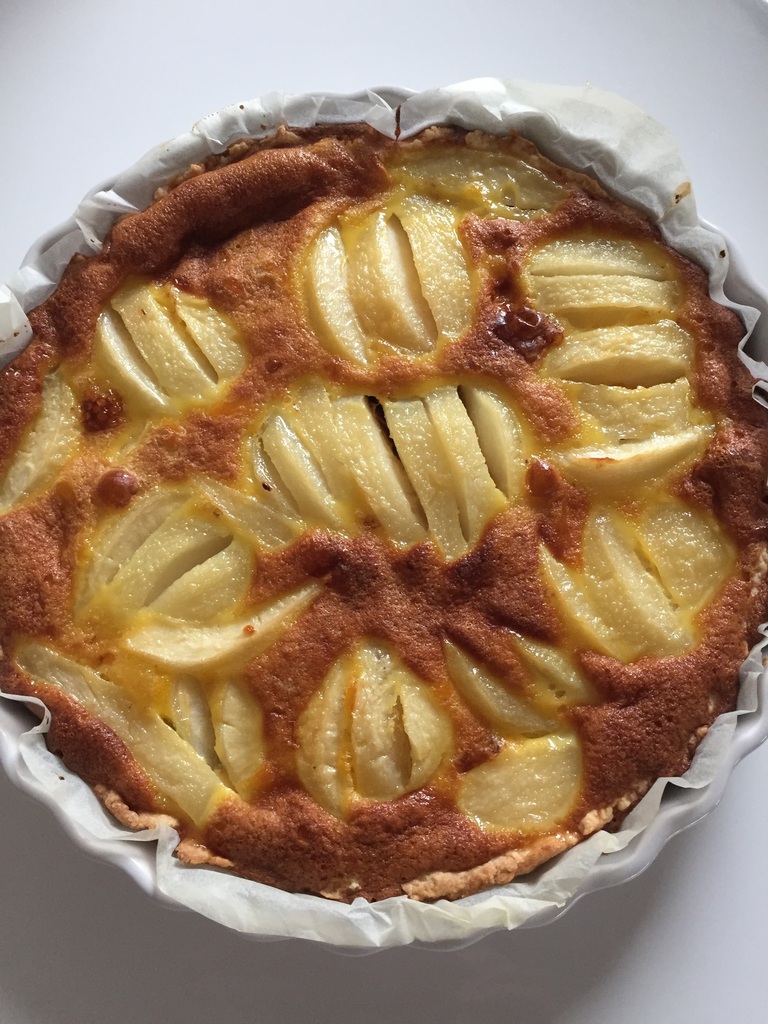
x=46, y=445
x=477, y=495
x=373, y=731
x=269, y=527
x=165, y=346
x=189, y=648
x=301, y=476
x=531, y=785
x=604, y=300
x=121, y=537
x=385, y=287
x=483, y=182
x=689, y=550
x=507, y=712
x=323, y=731
x=427, y=728
x=635, y=464
x=191, y=717
x=429, y=471
x=500, y=436
x=399, y=735
x=515, y=189
x=378, y=473
x=573, y=256
x=327, y=288
x=440, y=262
x=626, y=592
x=313, y=418
x=381, y=758
x=554, y=679
x=639, y=356
x=217, y=339
x=178, y=545
x=266, y=479
x=171, y=763
x=238, y=723
x=210, y=587
x=124, y=364
x=160, y=344
x=580, y=612
x=635, y=414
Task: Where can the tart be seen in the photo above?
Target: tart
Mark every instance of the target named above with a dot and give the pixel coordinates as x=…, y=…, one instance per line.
x=386, y=515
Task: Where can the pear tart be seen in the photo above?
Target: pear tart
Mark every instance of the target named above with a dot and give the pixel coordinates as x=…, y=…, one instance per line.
x=385, y=515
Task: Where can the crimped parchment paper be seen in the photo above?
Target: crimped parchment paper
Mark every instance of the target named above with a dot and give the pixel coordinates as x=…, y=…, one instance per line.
x=633, y=156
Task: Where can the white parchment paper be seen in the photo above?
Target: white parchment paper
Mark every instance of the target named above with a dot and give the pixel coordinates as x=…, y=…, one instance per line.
x=636, y=158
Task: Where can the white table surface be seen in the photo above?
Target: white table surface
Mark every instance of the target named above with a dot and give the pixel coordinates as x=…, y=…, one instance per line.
x=86, y=86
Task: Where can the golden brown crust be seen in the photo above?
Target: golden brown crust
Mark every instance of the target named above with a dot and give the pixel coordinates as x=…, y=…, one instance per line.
x=453, y=885
x=228, y=231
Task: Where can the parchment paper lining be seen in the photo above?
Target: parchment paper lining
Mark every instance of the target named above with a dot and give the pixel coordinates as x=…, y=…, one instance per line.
x=581, y=127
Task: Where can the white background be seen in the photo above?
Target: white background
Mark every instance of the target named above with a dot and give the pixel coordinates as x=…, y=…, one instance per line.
x=87, y=86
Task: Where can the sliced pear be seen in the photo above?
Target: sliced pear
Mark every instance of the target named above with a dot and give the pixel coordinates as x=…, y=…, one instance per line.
x=372, y=732
x=404, y=281
x=301, y=476
x=378, y=473
x=217, y=339
x=689, y=550
x=518, y=190
x=603, y=300
x=267, y=480
x=331, y=460
x=329, y=299
x=46, y=445
x=554, y=679
x=165, y=346
x=191, y=717
x=531, y=785
x=478, y=497
x=635, y=464
x=327, y=462
x=427, y=728
x=635, y=414
x=238, y=722
x=429, y=471
x=399, y=735
x=440, y=261
x=159, y=343
x=643, y=355
x=501, y=439
x=170, y=762
x=580, y=612
x=489, y=184
x=507, y=712
x=322, y=734
x=313, y=418
x=188, y=648
x=121, y=537
x=626, y=592
x=269, y=527
x=178, y=545
x=385, y=287
x=570, y=256
x=381, y=757
x=124, y=364
x=209, y=588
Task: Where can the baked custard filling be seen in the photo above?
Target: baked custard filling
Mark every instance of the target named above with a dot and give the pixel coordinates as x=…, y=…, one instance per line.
x=387, y=516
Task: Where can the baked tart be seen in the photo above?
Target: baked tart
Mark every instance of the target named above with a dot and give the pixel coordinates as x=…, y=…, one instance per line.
x=385, y=515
